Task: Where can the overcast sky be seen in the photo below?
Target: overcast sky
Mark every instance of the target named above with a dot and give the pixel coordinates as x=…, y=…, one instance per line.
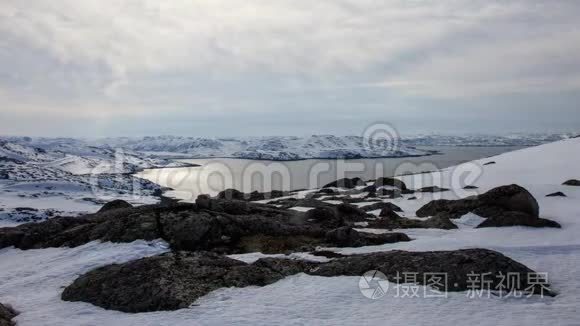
x=287, y=67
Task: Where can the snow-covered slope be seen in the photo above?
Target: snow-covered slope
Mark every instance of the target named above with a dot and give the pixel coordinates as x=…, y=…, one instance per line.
x=37, y=183
x=272, y=148
x=316, y=146
x=32, y=280
x=265, y=148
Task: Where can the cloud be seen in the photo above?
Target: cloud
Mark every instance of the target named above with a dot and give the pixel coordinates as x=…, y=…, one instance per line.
x=230, y=56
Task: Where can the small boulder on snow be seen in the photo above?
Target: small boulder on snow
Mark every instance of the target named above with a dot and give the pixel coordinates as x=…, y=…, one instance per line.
x=115, y=204
x=556, y=194
x=385, y=181
x=572, y=182
x=345, y=183
x=502, y=206
x=349, y=237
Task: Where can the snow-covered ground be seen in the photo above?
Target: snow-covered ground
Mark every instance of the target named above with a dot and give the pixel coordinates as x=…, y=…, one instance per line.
x=32, y=280
x=69, y=177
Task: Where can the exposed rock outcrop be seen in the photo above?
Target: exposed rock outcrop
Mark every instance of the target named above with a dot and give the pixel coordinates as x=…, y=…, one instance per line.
x=556, y=194
x=235, y=194
x=385, y=181
x=392, y=220
x=348, y=183
x=349, y=237
x=381, y=205
x=6, y=315
x=115, y=204
x=572, y=182
x=502, y=206
x=225, y=226
x=176, y=280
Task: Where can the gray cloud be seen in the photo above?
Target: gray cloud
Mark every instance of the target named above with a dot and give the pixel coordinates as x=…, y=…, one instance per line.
x=174, y=60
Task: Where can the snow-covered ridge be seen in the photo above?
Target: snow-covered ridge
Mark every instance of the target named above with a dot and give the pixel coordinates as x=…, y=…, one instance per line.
x=278, y=148
x=70, y=177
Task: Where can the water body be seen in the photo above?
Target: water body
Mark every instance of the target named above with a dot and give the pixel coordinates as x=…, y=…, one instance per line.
x=216, y=174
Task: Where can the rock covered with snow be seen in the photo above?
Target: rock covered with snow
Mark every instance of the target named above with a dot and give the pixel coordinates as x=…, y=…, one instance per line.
x=508, y=205
x=176, y=280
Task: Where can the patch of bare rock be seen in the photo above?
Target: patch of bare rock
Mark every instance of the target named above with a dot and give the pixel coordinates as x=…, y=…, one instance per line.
x=177, y=279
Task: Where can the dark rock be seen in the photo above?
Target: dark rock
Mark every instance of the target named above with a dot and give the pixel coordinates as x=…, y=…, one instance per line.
x=470, y=187
x=556, y=194
x=25, y=209
x=351, y=213
x=432, y=189
x=233, y=194
x=502, y=206
x=457, y=265
x=268, y=244
x=203, y=202
x=115, y=204
x=412, y=198
x=511, y=198
x=6, y=315
x=327, y=254
x=176, y=280
x=370, y=189
x=385, y=181
x=326, y=216
x=170, y=281
x=345, y=183
x=388, y=212
x=381, y=205
x=230, y=194
x=489, y=163
x=389, y=193
x=183, y=226
x=455, y=208
x=394, y=221
x=349, y=237
x=572, y=182
x=327, y=191
x=511, y=218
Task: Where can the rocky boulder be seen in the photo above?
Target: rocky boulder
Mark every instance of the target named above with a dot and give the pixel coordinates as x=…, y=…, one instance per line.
x=115, y=204
x=392, y=182
x=512, y=218
x=432, y=189
x=325, y=216
x=556, y=194
x=502, y=206
x=392, y=220
x=381, y=205
x=176, y=280
x=511, y=198
x=345, y=183
x=572, y=182
x=6, y=315
x=349, y=237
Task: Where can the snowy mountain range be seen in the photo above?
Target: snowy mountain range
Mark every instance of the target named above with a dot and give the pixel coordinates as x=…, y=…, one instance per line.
x=276, y=148
x=70, y=177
